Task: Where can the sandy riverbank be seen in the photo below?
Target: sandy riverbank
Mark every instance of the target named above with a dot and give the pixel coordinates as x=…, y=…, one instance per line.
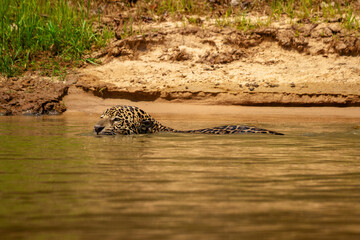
x=276, y=66
x=80, y=102
x=224, y=67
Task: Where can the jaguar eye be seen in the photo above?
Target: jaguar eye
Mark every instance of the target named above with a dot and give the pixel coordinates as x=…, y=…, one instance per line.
x=116, y=119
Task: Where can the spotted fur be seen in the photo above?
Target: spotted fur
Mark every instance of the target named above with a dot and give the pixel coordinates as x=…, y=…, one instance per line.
x=128, y=120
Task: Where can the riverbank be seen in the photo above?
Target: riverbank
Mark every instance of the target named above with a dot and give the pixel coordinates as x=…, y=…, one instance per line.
x=292, y=62
x=80, y=102
x=214, y=67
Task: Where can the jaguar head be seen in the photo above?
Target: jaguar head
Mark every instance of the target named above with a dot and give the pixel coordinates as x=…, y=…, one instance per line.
x=124, y=120
x=107, y=126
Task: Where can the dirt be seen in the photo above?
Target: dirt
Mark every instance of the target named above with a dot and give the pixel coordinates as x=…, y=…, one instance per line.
x=270, y=67
x=31, y=96
x=79, y=102
x=280, y=65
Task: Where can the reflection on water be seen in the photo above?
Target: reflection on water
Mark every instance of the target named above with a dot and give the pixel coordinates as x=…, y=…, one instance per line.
x=58, y=181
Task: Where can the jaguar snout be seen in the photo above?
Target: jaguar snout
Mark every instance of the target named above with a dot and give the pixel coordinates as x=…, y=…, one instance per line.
x=98, y=128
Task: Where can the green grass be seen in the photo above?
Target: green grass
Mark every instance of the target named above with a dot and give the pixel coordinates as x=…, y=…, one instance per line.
x=177, y=6
x=45, y=35
x=52, y=36
x=314, y=10
x=350, y=22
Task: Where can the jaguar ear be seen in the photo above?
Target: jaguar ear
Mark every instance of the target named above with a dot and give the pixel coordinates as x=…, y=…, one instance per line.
x=145, y=125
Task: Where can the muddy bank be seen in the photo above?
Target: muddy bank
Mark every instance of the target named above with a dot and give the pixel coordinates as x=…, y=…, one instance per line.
x=81, y=102
x=270, y=67
x=276, y=66
x=221, y=96
x=31, y=96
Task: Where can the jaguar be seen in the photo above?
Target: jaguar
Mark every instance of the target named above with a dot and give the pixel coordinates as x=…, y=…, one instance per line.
x=127, y=120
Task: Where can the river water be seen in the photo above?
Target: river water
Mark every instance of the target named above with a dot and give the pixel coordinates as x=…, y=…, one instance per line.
x=59, y=181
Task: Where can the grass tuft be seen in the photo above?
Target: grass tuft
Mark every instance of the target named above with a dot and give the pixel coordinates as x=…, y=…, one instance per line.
x=47, y=35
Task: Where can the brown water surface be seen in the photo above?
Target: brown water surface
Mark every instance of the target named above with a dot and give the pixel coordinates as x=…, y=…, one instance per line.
x=59, y=181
